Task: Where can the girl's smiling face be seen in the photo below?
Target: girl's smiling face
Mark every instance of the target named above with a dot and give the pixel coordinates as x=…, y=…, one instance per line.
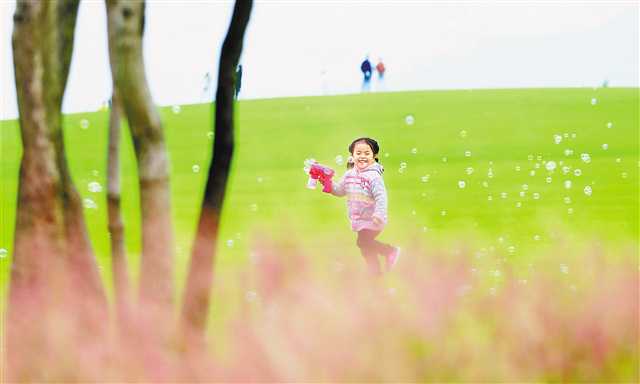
x=362, y=156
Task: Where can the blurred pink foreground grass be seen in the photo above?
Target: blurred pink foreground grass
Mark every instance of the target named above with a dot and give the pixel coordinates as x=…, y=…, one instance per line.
x=436, y=317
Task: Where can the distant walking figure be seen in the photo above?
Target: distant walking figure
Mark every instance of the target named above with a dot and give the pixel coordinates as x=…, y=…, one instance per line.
x=380, y=68
x=238, y=79
x=365, y=67
x=206, y=89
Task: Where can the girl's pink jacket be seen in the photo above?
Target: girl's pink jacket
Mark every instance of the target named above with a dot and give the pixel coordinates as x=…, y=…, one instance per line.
x=366, y=196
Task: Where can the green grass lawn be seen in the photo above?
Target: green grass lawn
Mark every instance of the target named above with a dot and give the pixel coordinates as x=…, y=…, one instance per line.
x=498, y=142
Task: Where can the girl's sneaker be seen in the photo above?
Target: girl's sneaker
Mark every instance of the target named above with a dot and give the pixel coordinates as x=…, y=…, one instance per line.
x=393, y=257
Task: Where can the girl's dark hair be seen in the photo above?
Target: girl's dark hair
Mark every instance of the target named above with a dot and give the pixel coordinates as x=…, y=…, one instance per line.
x=375, y=148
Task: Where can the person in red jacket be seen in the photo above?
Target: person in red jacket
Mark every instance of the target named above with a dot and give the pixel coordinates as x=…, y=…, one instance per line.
x=380, y=68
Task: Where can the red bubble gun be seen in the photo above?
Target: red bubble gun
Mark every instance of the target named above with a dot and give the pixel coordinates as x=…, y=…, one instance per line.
x=318, y=172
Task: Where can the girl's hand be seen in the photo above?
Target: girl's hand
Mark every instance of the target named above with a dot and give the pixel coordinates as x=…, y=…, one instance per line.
x=377, y=220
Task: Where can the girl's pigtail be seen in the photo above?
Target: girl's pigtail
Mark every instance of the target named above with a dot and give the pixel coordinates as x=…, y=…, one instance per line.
x=350, y=162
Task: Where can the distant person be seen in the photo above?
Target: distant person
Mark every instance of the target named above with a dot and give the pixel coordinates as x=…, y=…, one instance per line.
x=206, y=89
x=365, y=67
x=238, y=79
x=380, y=68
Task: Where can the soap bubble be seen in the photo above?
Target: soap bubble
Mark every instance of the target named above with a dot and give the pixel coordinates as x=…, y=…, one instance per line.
x=503, y=195
x=618, y=160
x=485, y=184
x=517, y=168
x=462, y=184
x=518, y=204
x=532, y=173
x=548, y=180
x=522, y=193
x=573, y=135
x=570, y=211
x=530, y=157
x=567, y=184
x=624, y=175
x=210, y=135
x=536, y=196
x=469, y=170
x=525, y=187
x=403, y=165
x=536, y=237
x=467, y=153
x=339, y=160
x=588, y=191
x=89, y=204
x=490, y=198
x=259, y=179
x=550, y=165
x=94, y=187
x=195, y=168
x=566, y=169
x=463, y=133
x=577, y=172
x=84, y=123
x=594, y=101
x=409, y=119
x=251, y=296
x=443, y=213
x=230, y=243
x=564, y=268
x=568, y=152
x=585, y=157
x=3, y=253
x=176, y=109
x=567, y=200
x=425, y=178
x=609, y=125
x=605, y=146
x=444, y=159
x=253, y=207
x=386, y=154
x=414, y=150
x=557, y=139
x=401, y=170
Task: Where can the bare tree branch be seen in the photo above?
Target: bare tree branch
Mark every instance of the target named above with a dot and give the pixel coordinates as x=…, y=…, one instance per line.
x=197, y=295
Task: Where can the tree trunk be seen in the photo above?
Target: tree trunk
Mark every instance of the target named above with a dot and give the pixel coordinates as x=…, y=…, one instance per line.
x=126, y=27
x=199, y=281
x=116, y=228
x=53, y=271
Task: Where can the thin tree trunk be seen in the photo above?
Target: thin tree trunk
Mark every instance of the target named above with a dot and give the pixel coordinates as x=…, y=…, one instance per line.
x=116, y=228
x=57, y=49
x=197, y=294
x=126, y=27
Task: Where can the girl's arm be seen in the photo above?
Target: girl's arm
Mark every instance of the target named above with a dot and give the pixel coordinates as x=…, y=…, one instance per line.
x=379, y=193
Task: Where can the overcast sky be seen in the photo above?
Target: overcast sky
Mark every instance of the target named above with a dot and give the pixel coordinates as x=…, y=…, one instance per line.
x=295, y=48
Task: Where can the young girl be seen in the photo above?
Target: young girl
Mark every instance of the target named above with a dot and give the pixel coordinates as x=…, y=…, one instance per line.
x=367, y=202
